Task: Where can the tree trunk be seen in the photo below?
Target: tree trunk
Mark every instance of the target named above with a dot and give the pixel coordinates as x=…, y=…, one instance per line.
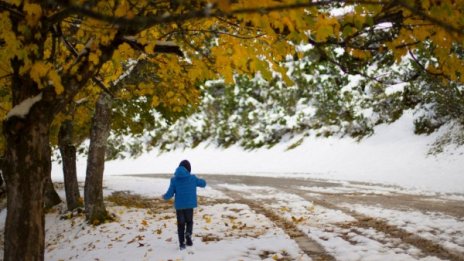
x=26, y=168
x=93, y=191
x=68, y=155
x=51, y=198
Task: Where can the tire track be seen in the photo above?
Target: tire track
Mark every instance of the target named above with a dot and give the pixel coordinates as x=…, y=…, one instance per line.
x=310, y=247
x=428, y=247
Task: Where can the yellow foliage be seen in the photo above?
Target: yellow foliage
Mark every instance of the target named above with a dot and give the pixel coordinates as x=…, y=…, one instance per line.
x=124, y=10
x=214, y=46
x=155, y=101
x=326, y=27
x=361, y=54
x=16, y=2
x=38, y=71
x=223, y=5
x=33, y=13
x=93, y=57
x=56, y=80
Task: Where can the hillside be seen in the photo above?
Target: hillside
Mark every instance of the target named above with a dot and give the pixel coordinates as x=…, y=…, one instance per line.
x=392, y=155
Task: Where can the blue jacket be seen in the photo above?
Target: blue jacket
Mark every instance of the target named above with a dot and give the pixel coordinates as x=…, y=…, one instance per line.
x=184, y=186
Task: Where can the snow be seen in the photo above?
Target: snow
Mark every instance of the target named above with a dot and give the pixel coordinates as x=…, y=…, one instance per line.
x=399, y=87
x=22, y=109
x=394, y=155
x=225, y=231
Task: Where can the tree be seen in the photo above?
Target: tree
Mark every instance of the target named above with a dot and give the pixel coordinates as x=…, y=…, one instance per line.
x=69, y=156
x=40, y=75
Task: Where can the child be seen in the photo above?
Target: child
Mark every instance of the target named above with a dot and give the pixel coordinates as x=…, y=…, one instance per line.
x=184, y=186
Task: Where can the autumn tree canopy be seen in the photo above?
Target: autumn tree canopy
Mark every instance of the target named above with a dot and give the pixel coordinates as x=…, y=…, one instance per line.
x=218, y=38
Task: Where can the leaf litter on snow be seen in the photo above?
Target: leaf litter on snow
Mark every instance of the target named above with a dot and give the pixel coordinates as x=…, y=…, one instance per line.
x=145, y=229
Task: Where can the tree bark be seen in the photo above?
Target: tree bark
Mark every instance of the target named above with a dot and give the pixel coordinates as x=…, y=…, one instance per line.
x=26, y=168
x=68, y=155
x=93, y=191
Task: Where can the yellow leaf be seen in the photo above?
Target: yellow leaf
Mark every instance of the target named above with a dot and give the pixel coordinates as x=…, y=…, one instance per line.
x=122, y=9
x=326, y=27
x=425, y=4
x=223, y=5
x=38, y=71
x=56, y=80
x=93, y=57
x=16, y=2
x=155, y=101
x=33, y=14
x=361, y=54
x=207, y=218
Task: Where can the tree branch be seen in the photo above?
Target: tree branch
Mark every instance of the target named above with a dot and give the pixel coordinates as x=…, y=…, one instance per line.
x=140, y=23
x=160, y=46
x=425, y=69
x=73, y=50
x=10, y=8
x=446, y=26
x=6, y=76
x=344, y=69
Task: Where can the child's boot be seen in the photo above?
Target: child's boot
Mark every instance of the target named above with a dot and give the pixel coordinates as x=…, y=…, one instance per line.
x=188, y=238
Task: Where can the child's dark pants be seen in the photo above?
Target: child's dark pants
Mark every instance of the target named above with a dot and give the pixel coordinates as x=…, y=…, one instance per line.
x=185, y=225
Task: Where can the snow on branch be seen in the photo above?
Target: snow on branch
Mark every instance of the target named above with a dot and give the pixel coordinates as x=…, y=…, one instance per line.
x=22, y=109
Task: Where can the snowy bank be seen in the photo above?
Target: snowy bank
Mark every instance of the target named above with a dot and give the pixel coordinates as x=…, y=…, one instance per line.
x=393, y=155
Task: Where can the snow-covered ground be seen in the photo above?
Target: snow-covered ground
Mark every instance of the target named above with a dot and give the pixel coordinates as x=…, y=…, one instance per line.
x=228, y=230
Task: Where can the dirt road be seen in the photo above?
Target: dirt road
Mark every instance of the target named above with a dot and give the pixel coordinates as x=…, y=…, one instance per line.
x=345, y=198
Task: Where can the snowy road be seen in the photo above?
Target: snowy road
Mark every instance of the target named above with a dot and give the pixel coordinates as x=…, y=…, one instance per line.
x=353, y=221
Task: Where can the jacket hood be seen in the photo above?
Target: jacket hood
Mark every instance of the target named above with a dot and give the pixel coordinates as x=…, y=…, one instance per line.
x=181, y=172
